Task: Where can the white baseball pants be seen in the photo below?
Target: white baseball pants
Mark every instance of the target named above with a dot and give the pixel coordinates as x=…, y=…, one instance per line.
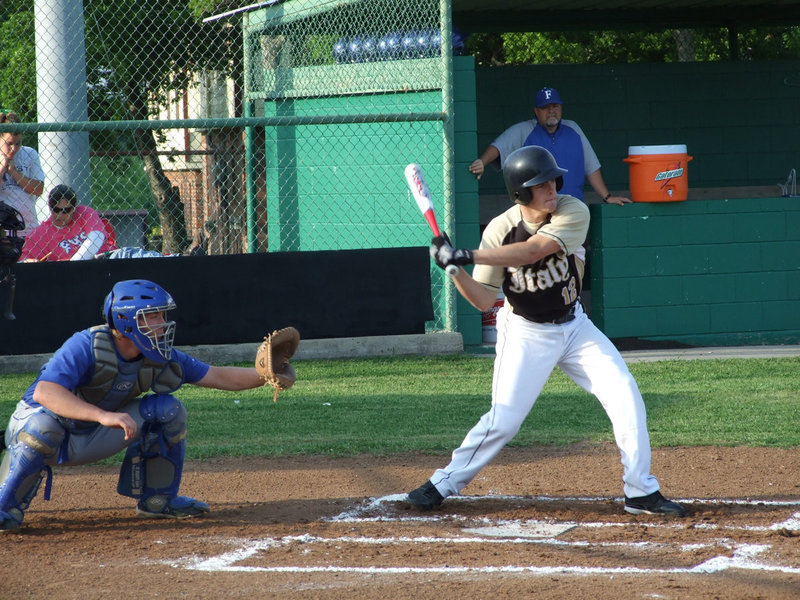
x=527, y=353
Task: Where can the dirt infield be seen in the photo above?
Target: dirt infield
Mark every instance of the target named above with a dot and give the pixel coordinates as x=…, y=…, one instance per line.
x=537, y=523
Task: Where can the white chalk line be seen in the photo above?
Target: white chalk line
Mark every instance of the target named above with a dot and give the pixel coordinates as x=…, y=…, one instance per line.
x=356, y=514
x=744, y=556
x=380, y=503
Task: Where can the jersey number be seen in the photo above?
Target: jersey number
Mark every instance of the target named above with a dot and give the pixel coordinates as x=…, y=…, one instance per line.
x=570, y=293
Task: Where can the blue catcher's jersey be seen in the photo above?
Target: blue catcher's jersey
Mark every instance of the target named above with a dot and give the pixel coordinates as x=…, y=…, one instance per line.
x=73, y=366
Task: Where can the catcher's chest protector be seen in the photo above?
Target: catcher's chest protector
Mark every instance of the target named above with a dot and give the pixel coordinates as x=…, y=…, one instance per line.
x=112, y=387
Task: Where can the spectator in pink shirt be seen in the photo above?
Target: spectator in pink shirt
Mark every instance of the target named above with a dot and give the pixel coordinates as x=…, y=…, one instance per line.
x=71, y=232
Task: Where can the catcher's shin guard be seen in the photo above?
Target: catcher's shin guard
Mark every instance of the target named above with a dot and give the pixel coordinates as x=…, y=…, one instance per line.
x=153, y=465
x=23, y=466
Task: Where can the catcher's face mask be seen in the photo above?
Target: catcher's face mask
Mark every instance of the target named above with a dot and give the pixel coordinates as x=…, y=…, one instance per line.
x=153, y=326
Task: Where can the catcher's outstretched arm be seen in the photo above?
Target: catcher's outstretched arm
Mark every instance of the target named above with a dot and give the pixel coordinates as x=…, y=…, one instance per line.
x=232, y=379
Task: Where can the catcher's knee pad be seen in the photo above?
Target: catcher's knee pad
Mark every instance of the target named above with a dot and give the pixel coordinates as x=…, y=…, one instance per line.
x=23, y=466
x=166, y=413
x=153, y=465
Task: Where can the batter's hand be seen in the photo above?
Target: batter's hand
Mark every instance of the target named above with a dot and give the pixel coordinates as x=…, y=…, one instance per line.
x=443, y=253
x=441, y=250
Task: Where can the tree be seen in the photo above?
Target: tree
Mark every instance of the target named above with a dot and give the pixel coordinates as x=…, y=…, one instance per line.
x=18, y=75
x=598, y=47
x=153, y=47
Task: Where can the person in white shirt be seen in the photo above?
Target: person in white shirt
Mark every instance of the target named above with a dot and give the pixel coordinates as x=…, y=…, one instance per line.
x=21, y=175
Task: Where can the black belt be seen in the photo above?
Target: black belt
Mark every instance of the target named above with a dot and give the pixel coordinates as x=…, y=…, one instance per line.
x=565, y=318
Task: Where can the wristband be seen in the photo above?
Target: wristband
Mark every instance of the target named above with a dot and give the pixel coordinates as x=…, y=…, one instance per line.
x=606, y=197
x=461, y=257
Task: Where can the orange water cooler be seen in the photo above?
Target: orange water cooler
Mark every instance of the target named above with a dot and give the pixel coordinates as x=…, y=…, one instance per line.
x=658, y=173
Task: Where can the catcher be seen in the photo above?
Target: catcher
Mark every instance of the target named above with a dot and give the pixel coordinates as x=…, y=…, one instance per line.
x=111, y=387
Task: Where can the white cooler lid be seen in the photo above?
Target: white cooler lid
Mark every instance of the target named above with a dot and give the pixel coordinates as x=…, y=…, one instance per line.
x=667, y=149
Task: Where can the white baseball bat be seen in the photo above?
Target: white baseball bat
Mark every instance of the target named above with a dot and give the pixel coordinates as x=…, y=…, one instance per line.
x=422, y=195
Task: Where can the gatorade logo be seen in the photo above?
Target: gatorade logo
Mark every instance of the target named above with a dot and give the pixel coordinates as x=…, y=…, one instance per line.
x=668, y=174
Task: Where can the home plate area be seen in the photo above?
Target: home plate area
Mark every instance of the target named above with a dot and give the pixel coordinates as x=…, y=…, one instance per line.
x=571, y=536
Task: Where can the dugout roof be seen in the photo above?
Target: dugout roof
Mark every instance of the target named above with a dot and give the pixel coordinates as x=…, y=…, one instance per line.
x=558, y=15
x=486, y=16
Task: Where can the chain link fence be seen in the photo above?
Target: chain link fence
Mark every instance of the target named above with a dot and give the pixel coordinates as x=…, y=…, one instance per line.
x=283, y=127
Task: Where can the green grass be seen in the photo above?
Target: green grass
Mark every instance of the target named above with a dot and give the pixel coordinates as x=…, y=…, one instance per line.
x=396, y=405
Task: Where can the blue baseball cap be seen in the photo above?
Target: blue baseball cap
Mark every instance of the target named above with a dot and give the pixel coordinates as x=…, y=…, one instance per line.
x=547, y=96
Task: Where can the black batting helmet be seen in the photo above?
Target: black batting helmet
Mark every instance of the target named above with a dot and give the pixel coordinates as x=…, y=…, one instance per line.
x=529, y=166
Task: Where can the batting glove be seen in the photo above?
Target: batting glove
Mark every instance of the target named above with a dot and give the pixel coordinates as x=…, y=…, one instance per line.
x=443, y=253
x=441, y=250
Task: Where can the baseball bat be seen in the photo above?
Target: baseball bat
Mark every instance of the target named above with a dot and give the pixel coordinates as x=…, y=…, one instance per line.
x=422, y=195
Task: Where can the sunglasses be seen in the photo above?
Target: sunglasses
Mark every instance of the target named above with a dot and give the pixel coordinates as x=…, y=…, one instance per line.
x=66, y=209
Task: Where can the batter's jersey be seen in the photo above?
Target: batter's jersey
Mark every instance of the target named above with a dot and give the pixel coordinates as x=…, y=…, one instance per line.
x=547, y=289
x=73, y=365
x=568, y=145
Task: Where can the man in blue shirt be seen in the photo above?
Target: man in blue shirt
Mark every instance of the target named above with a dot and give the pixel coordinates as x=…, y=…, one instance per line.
x=563, y=138
x=108, y=388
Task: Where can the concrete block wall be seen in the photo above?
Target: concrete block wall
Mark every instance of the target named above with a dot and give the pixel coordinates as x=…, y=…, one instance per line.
x=717, y=272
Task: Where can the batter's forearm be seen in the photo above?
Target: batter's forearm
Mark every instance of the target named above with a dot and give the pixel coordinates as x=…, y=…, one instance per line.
x=474, y=292
x=520, y=253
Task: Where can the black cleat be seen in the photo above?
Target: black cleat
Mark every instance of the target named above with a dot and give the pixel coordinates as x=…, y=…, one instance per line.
x=653, y=504
x=425, y=497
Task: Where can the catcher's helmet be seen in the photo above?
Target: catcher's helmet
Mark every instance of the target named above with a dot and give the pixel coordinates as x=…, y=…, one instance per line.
x=127, y=309
x=529, y=166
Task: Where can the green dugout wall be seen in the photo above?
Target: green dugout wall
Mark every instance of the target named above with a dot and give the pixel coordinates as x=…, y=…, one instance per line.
x=702, y=273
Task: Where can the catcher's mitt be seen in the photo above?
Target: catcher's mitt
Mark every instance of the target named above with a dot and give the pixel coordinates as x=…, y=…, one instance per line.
x=272, y=359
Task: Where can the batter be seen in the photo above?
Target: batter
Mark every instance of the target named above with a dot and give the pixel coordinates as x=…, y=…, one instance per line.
x=534, y=252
